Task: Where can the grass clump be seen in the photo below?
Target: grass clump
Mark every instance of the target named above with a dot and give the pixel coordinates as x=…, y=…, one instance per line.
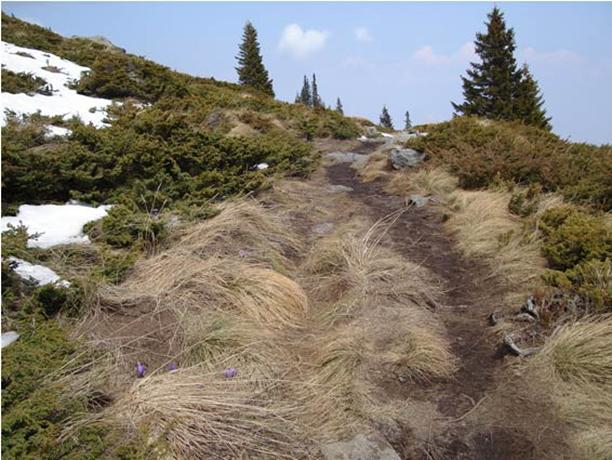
x=573, y=369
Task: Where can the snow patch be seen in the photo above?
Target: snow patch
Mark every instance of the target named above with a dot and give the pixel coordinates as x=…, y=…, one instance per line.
x=55, y=224
x=38, y=274
x=362, y=138
x=53, y=131
x=8, y=338
x=390, y=136
x=58, y=73
x=261, y=166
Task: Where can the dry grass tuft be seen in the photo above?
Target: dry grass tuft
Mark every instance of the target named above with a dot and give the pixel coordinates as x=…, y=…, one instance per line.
x=484, y=228
x=245, y=225
x=574, y=368
x=435, y=181
x=376, y=167
x=199, y=413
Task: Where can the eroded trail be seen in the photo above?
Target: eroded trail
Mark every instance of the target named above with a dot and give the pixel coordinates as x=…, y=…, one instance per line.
x=468, y=298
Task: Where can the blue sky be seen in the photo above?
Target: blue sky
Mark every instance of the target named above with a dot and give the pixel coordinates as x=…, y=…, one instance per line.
x=408, y=56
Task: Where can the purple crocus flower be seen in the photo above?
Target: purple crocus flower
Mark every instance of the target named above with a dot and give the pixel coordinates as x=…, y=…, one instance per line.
x=230, y=372
x=172, y=367
x=140, y=370
x=243, y=253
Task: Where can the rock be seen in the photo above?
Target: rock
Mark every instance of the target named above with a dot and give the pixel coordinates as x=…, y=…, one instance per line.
x=361, y=447
x=371, y=132
x=418, y=200
x=403, y=158
x=323, y=229
x=339, y=188
x=346, y=157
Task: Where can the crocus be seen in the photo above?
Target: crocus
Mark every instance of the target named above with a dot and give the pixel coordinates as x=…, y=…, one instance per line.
x=172, y=367
x=230, y=372
x=140, y=370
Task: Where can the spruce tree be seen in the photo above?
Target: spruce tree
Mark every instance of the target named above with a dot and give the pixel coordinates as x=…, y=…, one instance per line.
x=528, y=101
x=339, y=107
x=407, y=122
x=316, y=99
x=251, y=71
x=385, y=118
x=305, y=94
x=490, y=85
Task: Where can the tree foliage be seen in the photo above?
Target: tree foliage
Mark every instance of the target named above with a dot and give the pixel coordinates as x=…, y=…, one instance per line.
x=494, y=87
x=385, y=119
x=339, y=107
x=251, y=70
x=407, y=122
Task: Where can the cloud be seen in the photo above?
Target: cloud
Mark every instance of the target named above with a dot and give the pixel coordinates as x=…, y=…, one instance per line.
x=362, y=35
x=301, y=43
x=561, y=56
x=427, y=55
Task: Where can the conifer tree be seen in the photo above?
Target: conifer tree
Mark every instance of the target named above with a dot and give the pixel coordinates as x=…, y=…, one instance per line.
x=528, y=101
x=385, y=118
x=407, y=122
x=490, y=85
x=339, y=107
x=305, y=94
x=251, y=71
x=316, y=99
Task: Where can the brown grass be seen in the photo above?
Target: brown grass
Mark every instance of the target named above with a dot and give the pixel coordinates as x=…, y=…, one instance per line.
x=376, y=167
x=574, y=369
x=434, y=181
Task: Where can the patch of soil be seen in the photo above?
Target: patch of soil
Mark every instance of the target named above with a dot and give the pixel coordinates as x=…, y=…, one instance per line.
x=468, y=299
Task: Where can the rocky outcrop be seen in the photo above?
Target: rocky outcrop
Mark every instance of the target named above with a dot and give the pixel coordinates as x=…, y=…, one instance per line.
x=405, y=158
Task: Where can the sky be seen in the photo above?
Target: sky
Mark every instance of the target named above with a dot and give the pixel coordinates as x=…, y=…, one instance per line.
x=407, y=56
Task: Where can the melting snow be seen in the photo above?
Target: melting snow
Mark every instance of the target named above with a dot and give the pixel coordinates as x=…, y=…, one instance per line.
x=60, y=72
x=261, y=166
x=57, y=131
x=390, y=136
x=8, y=338
x=55, y=224
x=39, y=274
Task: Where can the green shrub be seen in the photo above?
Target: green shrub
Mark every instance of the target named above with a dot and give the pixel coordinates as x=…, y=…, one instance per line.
x=20, y=82
x=572, y=237
x=593, y=281
x=479, y=152
x=124, y=227
x=524, y=201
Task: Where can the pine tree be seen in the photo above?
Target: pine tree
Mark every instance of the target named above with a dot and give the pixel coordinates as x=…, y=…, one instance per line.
x=251, y=71
x=490, y=85
x=305, y=94
x=316, y=99
x=407, y=122
x=528, y=101
x=385, y=118
x=339, y=107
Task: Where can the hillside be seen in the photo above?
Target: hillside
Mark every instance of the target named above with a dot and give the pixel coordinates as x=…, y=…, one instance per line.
x=192, y=269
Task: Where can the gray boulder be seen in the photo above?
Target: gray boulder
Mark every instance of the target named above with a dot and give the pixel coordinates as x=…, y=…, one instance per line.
x=405, y=158
x=361, y=447
x=371, y=132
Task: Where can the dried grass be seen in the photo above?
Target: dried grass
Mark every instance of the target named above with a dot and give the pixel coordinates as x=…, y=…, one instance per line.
x=434, y=181
x=484, y=228
x=376, y=166
x=574, y=368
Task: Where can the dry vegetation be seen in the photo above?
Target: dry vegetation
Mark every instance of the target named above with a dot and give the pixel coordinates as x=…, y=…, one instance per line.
x=315, y=334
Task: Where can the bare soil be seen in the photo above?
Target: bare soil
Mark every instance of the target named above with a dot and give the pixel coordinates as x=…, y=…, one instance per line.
x=469, y=298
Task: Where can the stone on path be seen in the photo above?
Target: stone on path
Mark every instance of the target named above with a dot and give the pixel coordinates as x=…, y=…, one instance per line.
x=361, y=447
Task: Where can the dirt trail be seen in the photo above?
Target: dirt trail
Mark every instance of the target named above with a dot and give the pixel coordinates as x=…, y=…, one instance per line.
x=468, y=299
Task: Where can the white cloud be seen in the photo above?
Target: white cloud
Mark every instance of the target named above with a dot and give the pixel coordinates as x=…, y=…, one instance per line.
x=362, y=35
x=561, y=56
x=427, y=55
x=301, y=43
